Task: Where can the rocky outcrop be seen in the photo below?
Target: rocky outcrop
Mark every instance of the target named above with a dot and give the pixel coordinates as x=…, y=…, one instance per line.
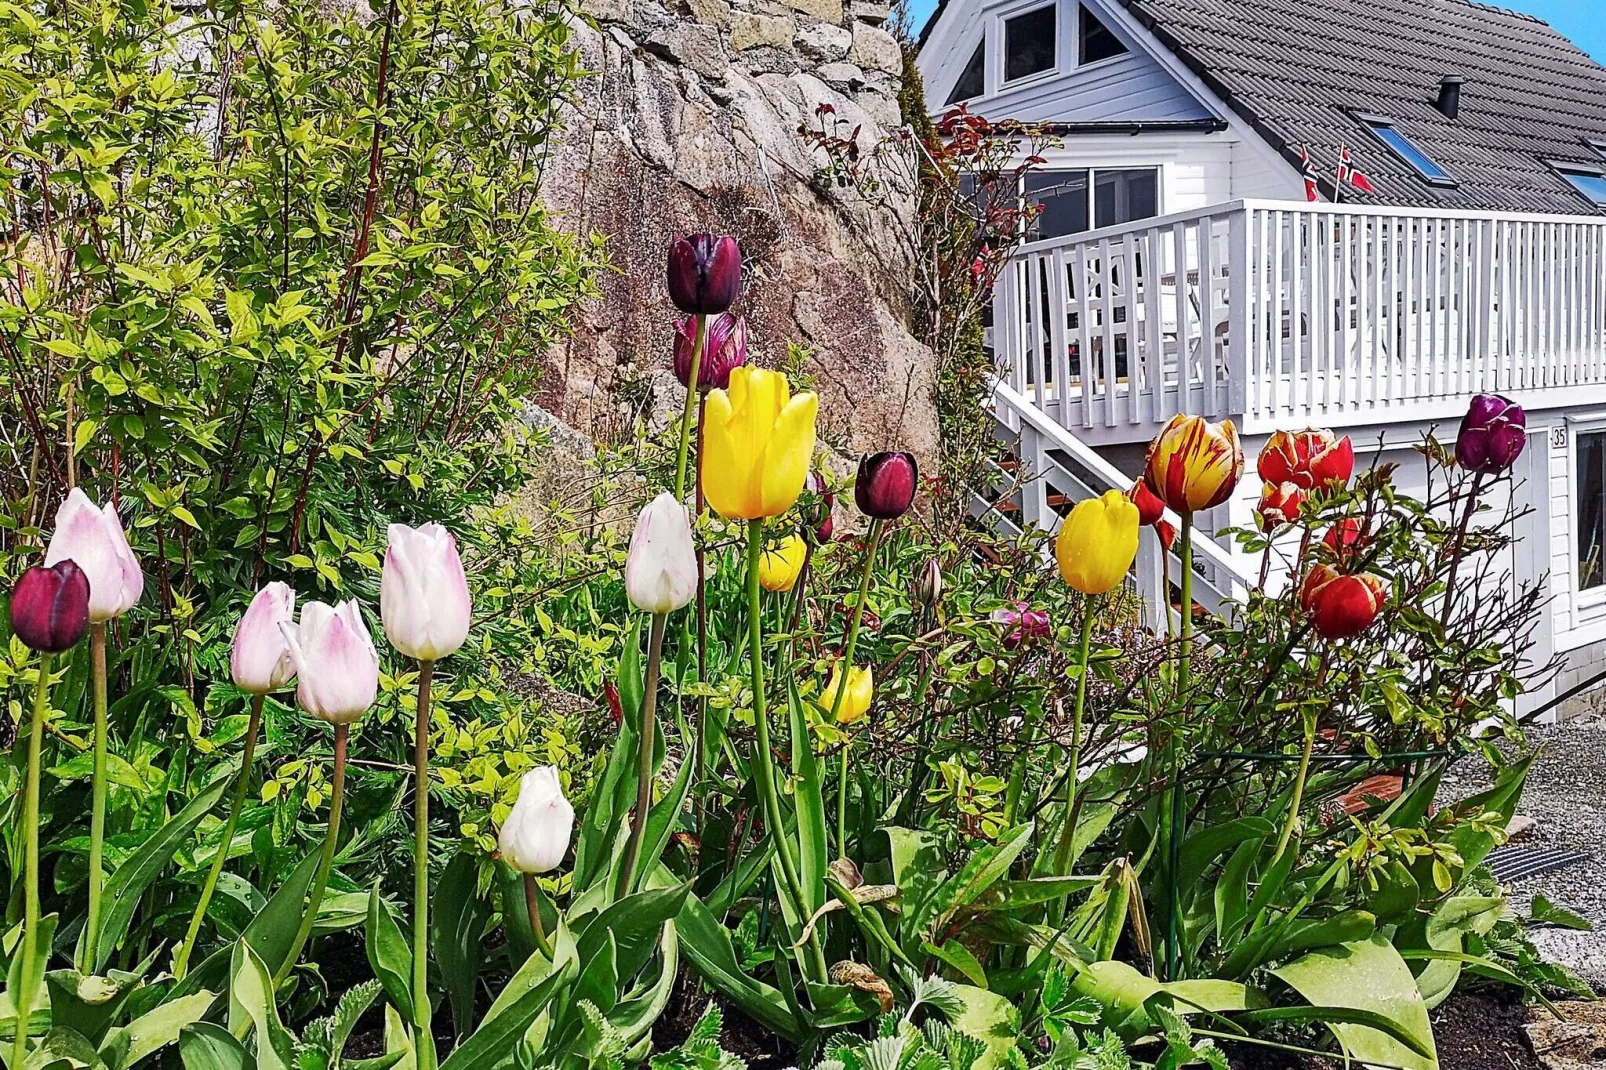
x=690, y=121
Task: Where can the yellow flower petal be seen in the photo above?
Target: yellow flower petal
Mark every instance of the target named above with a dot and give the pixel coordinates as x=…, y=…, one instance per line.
x=1098, y=543
x=788, y=454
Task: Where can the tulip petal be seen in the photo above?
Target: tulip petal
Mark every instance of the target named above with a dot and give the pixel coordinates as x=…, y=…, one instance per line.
x=789, y=453
x=723, y=474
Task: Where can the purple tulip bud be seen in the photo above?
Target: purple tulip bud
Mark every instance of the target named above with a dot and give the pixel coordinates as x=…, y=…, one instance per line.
x=927, y=590
x=705, y=273
x=886, y=485
x=817, y=504
x=50, y=607
x=724, y=349
x=1492, y=436
x=1022, y=625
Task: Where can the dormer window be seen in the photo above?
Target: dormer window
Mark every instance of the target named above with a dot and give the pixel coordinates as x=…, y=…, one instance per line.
x=1406, y=150
x=973, y=79
x=1029, y=43
x=1095, y=41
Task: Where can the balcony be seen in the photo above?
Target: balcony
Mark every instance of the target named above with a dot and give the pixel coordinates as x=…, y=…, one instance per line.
x=1282, y=314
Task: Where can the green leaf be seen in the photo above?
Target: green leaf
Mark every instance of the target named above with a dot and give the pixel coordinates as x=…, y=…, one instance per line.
x=1366, y=976
x=960, y=958
x=496, y=1037
x=978, y=875
x=269, y=934
x=88, y=1005
x=809, y=800
x=1202, y=847
x=389, y=955
x=1547, y=913
x=458, y=920
x=634, y=924
x=707, y=944
x=204, y=1046
x=23, y=976
x=125, y=886
x=153, y=1030
x=251, y=1004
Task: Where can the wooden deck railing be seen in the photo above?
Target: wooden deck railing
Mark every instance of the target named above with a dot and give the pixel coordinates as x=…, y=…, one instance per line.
x=1283, y=314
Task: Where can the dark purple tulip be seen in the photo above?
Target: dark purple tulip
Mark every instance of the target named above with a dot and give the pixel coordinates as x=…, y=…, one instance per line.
x=817, y=504
x=705, y=273
x=50, y=607
x=1492, y=436
x=724, y=348
x=886, y=485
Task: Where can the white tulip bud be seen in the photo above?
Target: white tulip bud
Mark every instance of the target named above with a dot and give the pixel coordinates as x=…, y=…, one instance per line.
x=535, y=836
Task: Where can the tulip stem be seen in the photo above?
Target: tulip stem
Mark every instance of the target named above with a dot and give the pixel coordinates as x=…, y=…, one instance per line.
x=326, y=861
x=1298, y=798
x=692, y=394
x=1185, y=663
x=763, y=761
x=532, y=900
x=1062, y=851
x=30, y=880
x=241, y=785
x=699, y=760
x=422, y=1038
x=1455, y=556
x=97, y=813
x=842, y=678
x=646, y=739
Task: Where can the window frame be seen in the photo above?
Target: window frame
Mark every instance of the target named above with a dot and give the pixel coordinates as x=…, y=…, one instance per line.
x=1372, y=123
x=1081, y=10
x=1566, y=169
x=1092, y=172
x=999, y=52
x=1589, y=600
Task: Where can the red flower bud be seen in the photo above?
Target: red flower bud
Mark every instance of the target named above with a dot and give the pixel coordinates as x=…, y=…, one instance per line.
x=886, y=485
x=724, y=348
x=1150, y=507
x=50, y=607
x=1280, y=504
x=705, y=273
x=1168, y=533
x=1341, y=606
x=816, y=504
x=1344, y=536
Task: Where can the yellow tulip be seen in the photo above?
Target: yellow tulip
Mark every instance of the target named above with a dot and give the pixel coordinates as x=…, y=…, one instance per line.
x=1194, y=464
x=758, y=441
x=856, y=703
x=781, y=564
x=1098, y=542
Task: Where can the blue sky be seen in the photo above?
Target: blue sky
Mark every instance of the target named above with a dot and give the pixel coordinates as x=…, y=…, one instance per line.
x=1577, y=19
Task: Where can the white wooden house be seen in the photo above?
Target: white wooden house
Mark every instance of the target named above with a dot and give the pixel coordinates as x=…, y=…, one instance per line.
x=1177, y=264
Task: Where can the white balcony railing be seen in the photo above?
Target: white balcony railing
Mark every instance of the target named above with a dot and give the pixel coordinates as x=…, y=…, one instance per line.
x=1281, y=314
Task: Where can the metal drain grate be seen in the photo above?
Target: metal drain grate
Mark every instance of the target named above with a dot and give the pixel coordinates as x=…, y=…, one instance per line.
x=1513, y=863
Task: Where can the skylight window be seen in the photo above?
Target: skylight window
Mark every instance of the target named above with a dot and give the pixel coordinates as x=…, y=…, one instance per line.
x=1029, y=43
x=1591, y=184
x=973, y=79
x=1405, y=149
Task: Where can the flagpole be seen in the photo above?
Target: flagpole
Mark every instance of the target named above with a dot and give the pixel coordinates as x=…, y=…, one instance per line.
x=1338, y=176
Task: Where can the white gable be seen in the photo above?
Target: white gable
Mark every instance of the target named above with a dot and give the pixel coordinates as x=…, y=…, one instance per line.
x=1131, y=87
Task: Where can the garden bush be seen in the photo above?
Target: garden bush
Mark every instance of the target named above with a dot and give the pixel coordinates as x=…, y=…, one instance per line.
x=877, y=784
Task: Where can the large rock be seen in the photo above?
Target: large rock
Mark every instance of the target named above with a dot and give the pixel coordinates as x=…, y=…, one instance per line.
x=699, y=130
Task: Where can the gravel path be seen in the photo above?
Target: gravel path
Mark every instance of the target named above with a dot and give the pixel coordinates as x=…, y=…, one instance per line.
x=1566, y=796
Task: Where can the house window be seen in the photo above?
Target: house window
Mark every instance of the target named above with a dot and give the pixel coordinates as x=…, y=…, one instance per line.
x=973, y=79
x=1075, y=201
x=1096, y=42
x=1029, y=43
x=1406, y=150
x=1591, y=184
x=1591, y=510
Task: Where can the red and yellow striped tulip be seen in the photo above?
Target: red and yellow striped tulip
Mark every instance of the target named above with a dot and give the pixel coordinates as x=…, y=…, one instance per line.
x=1194, y=464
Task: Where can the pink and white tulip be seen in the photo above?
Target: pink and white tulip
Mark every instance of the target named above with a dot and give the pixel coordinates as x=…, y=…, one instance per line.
x=93, y=539
x=423, y=593
x=535, y=836
x=260, y=661
x=337, y=667
x=661, y=567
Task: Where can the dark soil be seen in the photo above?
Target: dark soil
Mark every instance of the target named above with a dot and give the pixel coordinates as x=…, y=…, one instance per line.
x=740, y=1035
x=1472, y=1030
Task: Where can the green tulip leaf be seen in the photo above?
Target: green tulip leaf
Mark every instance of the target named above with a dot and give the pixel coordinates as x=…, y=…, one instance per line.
x=205, y=1046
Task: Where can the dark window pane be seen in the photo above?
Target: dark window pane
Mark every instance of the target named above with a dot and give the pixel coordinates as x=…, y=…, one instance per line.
x=1063, y=197
x=1029, y=43
x=973, y=81
x=1591, y=510
x=1122, y=196
x=1097, y=40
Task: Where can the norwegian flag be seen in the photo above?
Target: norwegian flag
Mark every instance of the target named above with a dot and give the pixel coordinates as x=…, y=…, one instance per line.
x=1348, y=175
x=1307, y=170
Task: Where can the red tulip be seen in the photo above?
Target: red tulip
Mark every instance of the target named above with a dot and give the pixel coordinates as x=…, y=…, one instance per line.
x=1340, y=606
x=1280, y=503
x=1168, y=534
x=724, y=349
x=50, y=607
x=886, y=484
x=1150, y=507
x=1308, y=459
x=705, y=273
x=1344, y=536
